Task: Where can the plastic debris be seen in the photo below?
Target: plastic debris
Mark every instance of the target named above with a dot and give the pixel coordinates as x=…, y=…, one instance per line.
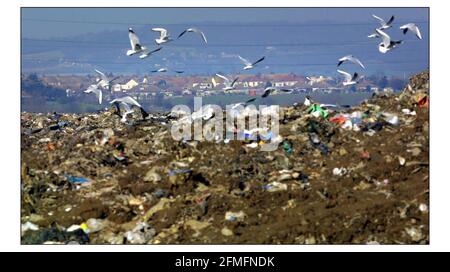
x=74, y=179
x=275, y=187
x=235, y=216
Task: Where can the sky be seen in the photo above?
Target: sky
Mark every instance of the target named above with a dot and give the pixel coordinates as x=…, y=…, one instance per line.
x=32, y=27
x=293, y=40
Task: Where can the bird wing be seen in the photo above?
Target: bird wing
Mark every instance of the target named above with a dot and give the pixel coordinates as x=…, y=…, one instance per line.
x=250, y=100
x=103, y=76
x=178, y=71
x=134, y=40
x=245, y=61
x=100, y=96
x=355, y=76
x=182, y=33
x=348, y=77
x=130, y=100
x=356, y=61
x=382, y=22
x=258, y=61
x=345, y=58
x=341, y=60
x=126, y=107
x=201, y=33
x=267, y=91
x=98, y=93
x=91, y=88
x=156, y=50
x=223, y=77
x=162, y=32
x=214, y=82
x=390, y=20
x=234, y=81
x=385, y=37
x=115, y=78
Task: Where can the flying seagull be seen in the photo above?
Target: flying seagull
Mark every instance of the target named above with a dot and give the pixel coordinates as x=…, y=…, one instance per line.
x=160, y=70
x=229, y=85
x=387, y=44
x=349, y=79
x=413, y=28
x=308, y=101
x=163, y=36
x=195, y=30
x=243, y=103
x=127, y=103
x=383, y=23
x=269, y=90
x=248, y=64
x=213, y=80
x=147, y=52
x=106, y=81
x=94, y=89
x=351, y=59
x=136, y=46
x=163, y=70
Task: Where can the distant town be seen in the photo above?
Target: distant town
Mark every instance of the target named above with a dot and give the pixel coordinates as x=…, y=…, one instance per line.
x=160, y=90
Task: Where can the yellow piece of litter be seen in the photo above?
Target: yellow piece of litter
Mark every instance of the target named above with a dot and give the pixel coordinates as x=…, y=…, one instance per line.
x=84, y=227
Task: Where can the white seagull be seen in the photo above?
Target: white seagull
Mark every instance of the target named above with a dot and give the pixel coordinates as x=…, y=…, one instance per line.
x=94, y=89
x=163, y=70
x=229, y=85
x=307, y=101
x=105, y=82
x=413, y=28
x=269, y=90
x=195, y=30
x=214, y=83
x=127, y=103
x=349, y=79
x=163, y=36
x=136, y=46
x=387, y=44
x=383, y=23
x=243, y=103
x=351, y=59
x=248, y=64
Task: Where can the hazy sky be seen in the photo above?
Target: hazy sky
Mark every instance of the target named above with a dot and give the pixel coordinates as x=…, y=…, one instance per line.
x=62, y=22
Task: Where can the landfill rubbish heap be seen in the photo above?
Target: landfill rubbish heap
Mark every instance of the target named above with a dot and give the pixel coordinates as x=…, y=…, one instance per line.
x=358, y=175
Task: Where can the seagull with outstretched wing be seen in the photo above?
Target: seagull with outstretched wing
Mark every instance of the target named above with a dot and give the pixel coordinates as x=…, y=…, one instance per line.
x=413, y=28
x=194, y=30
x=164, y=37
x=270, y=90
x=127, y=103
x=352, y=59
x=229, y=85
x=383, y=23
x=349, y=79
x=387, y=44
x=249, y=65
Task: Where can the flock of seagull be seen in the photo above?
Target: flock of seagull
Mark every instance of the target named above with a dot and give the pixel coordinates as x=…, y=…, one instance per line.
x=127, y=102
x=384, y=46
